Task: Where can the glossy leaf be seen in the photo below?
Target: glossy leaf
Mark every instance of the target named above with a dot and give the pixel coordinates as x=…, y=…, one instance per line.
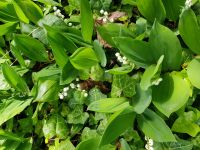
x=186, y=123
x=141, y=100
x=152, y=9
x=137, y=51
x=172, y=93
x=30, y=10
x=109, y=105
x=14, y=79
x=83, y=58
x=123, y=84
x=11, y=108
x=31, y=48
x=189, y=30
x=100, y=53
x=121, y=70
x=154, y=127
x=166, y=43
x=47, y=90
x=151, y=73
x=7, y=27
x=55, y=126
x=116, y=125
x=87, y=23
x=173, y=8
x=110, y=30
x=90, y=144
x=194, y=72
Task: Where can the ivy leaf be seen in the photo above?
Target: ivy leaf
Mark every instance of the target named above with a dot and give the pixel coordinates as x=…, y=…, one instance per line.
x=123, y=84
x=154, y=127
x=94, y=95
x=109, y=105
x=11, y=108
x=55, y=126
x=186, y=124
x=169, y=96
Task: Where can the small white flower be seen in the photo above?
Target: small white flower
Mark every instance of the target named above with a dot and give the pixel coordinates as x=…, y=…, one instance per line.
x=104, y=20
x=62, y=16
x=124, y=58
x=69, y=24
x=72, y=85
x=111, y=20
x=58, y=11
x=117, y=54
x=120, y=59
x=77, y=79
x=125, y=62
x=151, y=148
x=146, y=138
x=102, y=11
x=147, y=146
x=61, y=96
x=65, y=94
x=150, y=142
x=85, y=94
x=66, y=89
x=78, y=85
x=188, y=3
x=55, y=13
x=105, y=13
x=55, y=8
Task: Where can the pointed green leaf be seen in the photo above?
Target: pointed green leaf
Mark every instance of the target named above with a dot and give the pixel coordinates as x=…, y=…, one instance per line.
x=118, y=123
x=7, y=27
x=193, y=72
x=154, y=127
x=87, y=23
x=121, y=70
x=90, y=144
x=172, y=93
x=152, y=9
x=166, y=43
x=10, y=136
x=109, y=105
x=31, y=48
x=14, y=79
x=189, y=30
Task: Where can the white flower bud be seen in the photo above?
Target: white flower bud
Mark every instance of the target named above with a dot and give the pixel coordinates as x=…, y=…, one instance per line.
x=58, y=11
x=61, y=96
x=55, y=8
x=104, y=20
x=105, y=13
x=125, y=62
x=124, y=58
x=150, y=142
x=117, y=54
x=69, y=24
x=111, y=20
x=78, y=85
x=147, y=146
x=72, y=85
x=151, y=148
x=77, y=79
x=102, y=11
x=62, y=16
x=85, y=94
x=65, y=94
x=66, y=89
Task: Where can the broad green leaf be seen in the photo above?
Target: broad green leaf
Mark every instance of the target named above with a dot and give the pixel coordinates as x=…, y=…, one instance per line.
x=118, y=123
x=87, y=23
x=11, y=108
x=88, y=133
x=172, y=93
x=10, y=136
x=20, y=12
x=193, y=72
x=55, y=126
x=123, y=85
x=121, y=70
x=109, y=105
x=100, y=53
x=151, y=73
x=90, y=144
x=31, y=48
x=139, y=52
x=7, y=12
x=14, y=79
x=110, y=30
x=173, y=8
x=154, y=127
x=152, y=9
x=166, y=43
x=7, y=27
x=186, y=123
x=47, y=90
x=83, y=58
x=141, y=100
x=30, y=10
x=189, y=30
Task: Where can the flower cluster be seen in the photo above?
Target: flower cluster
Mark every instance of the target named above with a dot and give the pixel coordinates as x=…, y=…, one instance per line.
x=121, y=59
x=58, y=13
x=105, y=17
x=65, y=90
x=188, y=4
x=149, y=145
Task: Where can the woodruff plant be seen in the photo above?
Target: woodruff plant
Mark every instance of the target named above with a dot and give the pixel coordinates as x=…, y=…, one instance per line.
x=76, y=77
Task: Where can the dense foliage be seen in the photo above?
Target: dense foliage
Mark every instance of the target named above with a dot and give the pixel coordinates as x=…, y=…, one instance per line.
x=99, y=74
